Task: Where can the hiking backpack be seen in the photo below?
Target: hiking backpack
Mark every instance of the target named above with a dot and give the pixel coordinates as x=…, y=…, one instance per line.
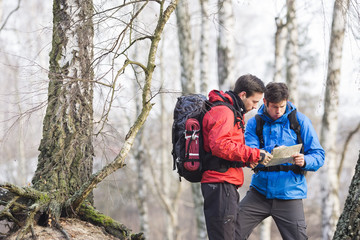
x=189, y=156
x=294, y=125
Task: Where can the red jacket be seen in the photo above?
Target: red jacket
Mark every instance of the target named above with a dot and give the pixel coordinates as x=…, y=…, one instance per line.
x=226, y=141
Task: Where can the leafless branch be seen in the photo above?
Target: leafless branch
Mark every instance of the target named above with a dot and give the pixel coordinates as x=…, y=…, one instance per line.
x=347, y=141
x=11, y=13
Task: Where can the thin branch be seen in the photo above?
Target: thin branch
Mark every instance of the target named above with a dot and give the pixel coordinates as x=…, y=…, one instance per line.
x=351, y=134
x=11, y=13
x=79, y=197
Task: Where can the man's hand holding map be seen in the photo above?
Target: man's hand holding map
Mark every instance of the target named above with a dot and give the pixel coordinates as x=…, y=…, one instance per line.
x=283, y=154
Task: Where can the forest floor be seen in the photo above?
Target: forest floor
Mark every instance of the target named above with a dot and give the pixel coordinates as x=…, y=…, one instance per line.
x=75, y=228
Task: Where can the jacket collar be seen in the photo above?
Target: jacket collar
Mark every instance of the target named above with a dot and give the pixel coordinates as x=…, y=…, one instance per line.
x=230, y=97
x=263, y=113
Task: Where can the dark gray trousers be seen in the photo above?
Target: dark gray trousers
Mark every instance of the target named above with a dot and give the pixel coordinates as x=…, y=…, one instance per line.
x=287, y=214
x=221, y=209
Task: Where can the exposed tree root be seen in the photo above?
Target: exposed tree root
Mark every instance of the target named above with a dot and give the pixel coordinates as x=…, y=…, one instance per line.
x=22, y=205
x=26, y=206
x=90, y=214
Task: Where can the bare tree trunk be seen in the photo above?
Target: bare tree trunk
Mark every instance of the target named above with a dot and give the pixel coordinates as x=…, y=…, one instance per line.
x=167, y=183
x=204, y=47
x=226, y=45
x=186, y=47
x=280, y=45
x=330, y=187
x=140, y=149
x=188, y=86
x=66, y=152
x=292, y=72
x=348, y=226
x=142, y=187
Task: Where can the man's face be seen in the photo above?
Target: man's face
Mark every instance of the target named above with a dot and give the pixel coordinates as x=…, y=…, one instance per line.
x=252, y=101
x=275, y=110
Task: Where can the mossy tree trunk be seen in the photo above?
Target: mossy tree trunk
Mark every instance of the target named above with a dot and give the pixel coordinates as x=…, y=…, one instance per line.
x=66, y=152
x=348, y=226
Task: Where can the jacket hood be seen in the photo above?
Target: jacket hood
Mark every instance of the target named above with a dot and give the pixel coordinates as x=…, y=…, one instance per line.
x=289, y=108
x=213, y=96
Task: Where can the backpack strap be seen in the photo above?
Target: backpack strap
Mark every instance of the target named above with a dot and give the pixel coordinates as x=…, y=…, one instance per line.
x=259, y=129
x=213, y=162
x=294, y=125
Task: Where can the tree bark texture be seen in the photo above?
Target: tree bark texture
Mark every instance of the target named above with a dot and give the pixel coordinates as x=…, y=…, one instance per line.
x=292, y=73
x=348, y=226
x=280, y=45
x=66, y=152
x=185, y=47
x=204, y=47
x=330, y=198
x=188, y=86
x=226, y=45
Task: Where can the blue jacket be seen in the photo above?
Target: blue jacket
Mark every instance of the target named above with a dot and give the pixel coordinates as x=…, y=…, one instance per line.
x=281, y=184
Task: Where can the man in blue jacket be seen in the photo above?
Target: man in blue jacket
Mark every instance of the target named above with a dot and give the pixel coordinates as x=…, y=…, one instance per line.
x=278, y=191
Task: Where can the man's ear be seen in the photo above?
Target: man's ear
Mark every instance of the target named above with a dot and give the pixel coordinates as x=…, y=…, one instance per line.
x=264, y=100
x=242, y=95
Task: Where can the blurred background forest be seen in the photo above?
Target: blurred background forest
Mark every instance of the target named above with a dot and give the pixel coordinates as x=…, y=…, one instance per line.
x=146, y=195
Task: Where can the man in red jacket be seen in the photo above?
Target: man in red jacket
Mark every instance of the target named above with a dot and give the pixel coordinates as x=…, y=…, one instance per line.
x=223, y=131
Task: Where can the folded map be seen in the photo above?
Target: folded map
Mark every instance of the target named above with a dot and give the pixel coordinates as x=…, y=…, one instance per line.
x=283, y=154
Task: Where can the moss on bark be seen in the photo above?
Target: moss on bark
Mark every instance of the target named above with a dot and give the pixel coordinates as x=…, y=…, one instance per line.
x=90, y=214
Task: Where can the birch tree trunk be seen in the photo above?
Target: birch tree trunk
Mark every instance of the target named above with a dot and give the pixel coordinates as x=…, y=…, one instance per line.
x=142, y=187
x=140, y=150
x=167, y=185
x=226, y=45
x=330, y=187
x=188, y=86
x=348, y=226
x=186, y=47
x=280, y=45
x=142, y=190
x=204, y=47
x=292, y=71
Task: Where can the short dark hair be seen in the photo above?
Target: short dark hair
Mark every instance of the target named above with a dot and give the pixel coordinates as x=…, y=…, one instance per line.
x=250, y=84
x=276, y=92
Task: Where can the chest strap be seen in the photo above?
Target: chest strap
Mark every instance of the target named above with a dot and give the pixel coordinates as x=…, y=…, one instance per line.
x=220, y=165
x=285, y=168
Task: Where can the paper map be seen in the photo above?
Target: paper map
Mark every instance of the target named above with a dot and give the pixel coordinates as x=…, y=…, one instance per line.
x=283, y=154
